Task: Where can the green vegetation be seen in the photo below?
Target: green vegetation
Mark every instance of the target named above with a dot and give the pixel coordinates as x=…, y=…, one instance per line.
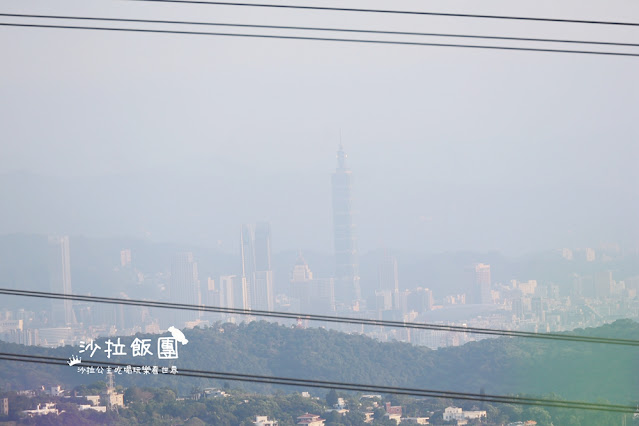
x=576, y=371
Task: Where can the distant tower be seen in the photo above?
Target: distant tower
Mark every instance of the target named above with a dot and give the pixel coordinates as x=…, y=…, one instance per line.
x=256, y=265
x=482, y=284
x=60, y=280
x=247, y=252
x=184, y=287
x=347, y=288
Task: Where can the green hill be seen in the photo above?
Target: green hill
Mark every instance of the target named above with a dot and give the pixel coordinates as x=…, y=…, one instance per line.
x=578, y=371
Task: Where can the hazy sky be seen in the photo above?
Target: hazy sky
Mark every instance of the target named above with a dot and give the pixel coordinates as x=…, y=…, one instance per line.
x=183, y=138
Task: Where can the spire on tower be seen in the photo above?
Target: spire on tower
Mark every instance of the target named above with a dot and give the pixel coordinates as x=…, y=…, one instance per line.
x=341, y=157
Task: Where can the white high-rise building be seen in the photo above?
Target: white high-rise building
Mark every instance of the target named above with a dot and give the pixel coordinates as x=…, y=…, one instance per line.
x=256, y=265
x=226, y=291
x=60, y=280
x=482, y=284
x=233, y=295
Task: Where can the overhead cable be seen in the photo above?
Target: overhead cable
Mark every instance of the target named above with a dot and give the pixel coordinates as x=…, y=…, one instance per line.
x=322, y=29
x=328, y=39
x=396, y=12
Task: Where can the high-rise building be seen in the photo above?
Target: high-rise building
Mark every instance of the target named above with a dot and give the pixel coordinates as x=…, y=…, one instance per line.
x=315, y=296
x=60, y=280
x=384, y=300
x=388, y=279
x=262, y=291
x=233, y=294
x=256, y=265
x=347, y=289
x=421, y=300
x=125, y=257
x=211, y=296
x=247, y=252
x=228, y=292
x=301, y=271
x=184, y=287
x=482, y=284
x=262, y=246
x=603, y=283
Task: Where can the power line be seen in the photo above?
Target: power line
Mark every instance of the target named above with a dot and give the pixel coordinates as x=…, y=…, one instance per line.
x=347, y=30
x=322, y=318
x=39, y=359
x=400, y=12
x=343, y=40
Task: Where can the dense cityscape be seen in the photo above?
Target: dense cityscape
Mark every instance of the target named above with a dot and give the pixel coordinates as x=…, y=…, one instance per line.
x=594, y=295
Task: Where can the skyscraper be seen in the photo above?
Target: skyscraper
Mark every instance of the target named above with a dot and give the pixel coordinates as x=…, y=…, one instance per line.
x=315, y=296
x=388, y=278
x=347, y=288
x=184, y=287
x=482, y=284
x=247, y=252
x=233, y=292
x=256, y=265
x=60, y=280
x=262, y=246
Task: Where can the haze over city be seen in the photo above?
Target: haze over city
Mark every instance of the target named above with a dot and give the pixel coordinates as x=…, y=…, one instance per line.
x=456, y=223
x=183, y=139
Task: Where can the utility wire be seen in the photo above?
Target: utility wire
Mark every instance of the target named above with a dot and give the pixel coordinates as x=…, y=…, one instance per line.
x=343, y=40
x=397, y=12
x=340, y=385
x=323, y=318
x=347, y=30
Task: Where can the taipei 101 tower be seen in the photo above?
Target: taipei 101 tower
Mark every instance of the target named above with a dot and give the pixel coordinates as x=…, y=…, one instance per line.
x=347, y=288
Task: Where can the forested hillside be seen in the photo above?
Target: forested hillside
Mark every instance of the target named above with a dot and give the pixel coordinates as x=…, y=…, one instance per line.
x=578, y=371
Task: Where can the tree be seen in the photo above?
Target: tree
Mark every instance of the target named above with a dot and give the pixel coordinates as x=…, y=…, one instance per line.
x=541, y=416
x=331, y=398
x=135, y=394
